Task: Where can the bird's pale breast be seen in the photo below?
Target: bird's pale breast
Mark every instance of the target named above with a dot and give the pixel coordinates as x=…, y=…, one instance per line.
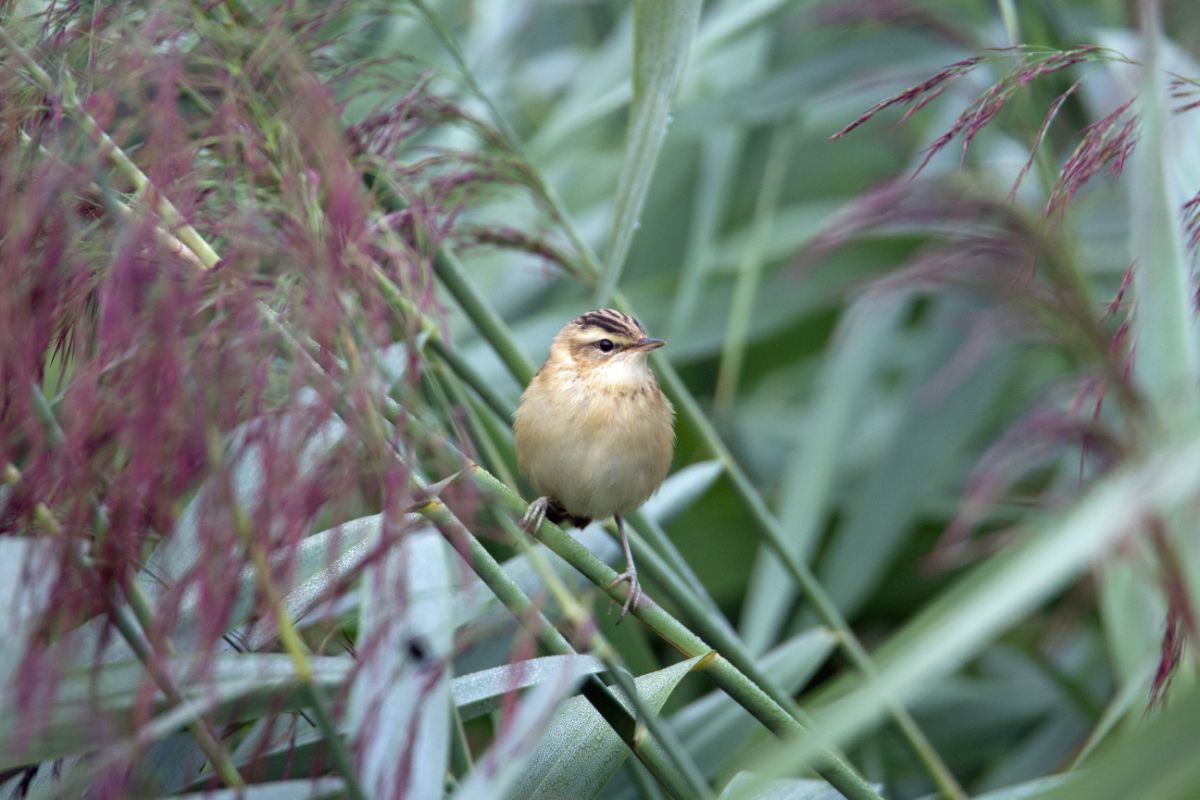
x=598, y=452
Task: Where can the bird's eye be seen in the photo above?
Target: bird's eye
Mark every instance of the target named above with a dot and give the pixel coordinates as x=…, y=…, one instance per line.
x=605, y=345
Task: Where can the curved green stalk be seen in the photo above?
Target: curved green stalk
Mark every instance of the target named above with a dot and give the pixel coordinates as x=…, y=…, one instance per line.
x=65, y=91
x=449, y=271
x=723, y=672
x=779, y=717
x=134, y=630
x=523, y=609
x=749, y=270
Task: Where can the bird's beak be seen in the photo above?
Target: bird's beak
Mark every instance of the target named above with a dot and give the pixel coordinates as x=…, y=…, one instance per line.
x=645, y=343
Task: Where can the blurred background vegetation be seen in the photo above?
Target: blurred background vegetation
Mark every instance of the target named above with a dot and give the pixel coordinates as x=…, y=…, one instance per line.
x=905, y=359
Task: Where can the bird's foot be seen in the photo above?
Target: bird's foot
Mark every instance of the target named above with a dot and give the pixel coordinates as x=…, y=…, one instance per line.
x=534, y=515
x=635, y=591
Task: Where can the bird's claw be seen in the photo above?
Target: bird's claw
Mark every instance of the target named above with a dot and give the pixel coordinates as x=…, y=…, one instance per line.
x=635, y=592
x=534, y=515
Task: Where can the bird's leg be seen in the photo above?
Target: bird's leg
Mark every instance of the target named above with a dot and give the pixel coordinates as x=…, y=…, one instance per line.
x=630, y=573
x=534, y=515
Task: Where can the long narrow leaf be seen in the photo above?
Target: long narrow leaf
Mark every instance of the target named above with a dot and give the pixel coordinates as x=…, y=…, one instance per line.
x=400, y=699
x=579, y=752
x=859, y=343
x=315, y=789
x=663, y=31
x=518, y=740
x=998, y=594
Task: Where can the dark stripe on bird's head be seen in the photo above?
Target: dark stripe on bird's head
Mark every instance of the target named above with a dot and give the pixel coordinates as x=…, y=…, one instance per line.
x=613, y=321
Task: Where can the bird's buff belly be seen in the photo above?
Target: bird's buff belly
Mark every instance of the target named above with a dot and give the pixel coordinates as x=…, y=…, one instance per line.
x=612, y=470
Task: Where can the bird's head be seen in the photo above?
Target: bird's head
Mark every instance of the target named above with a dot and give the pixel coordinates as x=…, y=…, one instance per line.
x=607, y=346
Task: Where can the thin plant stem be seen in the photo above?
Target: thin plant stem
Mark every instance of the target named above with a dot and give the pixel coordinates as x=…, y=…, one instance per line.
x=480, y=434
x=742, y=689
x=297, y=651
x=65, y=91
x=208, y=742
x=460, y=751
x=735, y=683
x=450, y=273
x=509, y=593
x=745, y=290
x=598, y=644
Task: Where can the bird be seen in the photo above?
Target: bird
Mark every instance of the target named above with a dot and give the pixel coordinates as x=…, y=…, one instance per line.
x=594, y=433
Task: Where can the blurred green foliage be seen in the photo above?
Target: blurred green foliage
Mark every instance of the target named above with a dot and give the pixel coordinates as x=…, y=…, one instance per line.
x=913, y=388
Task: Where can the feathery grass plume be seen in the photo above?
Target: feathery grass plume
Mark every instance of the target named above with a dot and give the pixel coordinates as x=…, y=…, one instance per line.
x=1030, y=64
x=508, y=238
x=171, y=431
x=1106, y=145
x=1029, y=451
x=1041, y=442
x=1187, y=90
x=921, y=94
x=986, y=246
x=1051, y=112
x=1191, y=222
x=1012, y=261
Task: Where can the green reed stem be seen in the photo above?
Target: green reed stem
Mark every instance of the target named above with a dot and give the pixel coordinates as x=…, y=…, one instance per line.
x=64, y=90
x=522, y=608
x=749, y=272
x=297, y=651
x=780, y=718
x=450, y=272
x=128, y=628
x=581, y=619
x=460, y=751
x=723, y=672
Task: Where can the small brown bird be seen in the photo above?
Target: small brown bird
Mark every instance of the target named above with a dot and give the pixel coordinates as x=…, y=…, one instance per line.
x=594, y=432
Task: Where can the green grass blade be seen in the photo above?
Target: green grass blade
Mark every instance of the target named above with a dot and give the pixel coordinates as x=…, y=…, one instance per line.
x=1166, y=366
x=745, y=291
x=1157, y=764
x=579, y=752
x=999, y=593
x=746, y=786
x=709, y=724
x=809, y=477
x=481, y=692
x=400, y=698
x=593, y=99
x=739, y=64
x=719, y=156
x=663, y=31
x=312, y=789
x=23, y=600
x=230, y=687
x=527, y=731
